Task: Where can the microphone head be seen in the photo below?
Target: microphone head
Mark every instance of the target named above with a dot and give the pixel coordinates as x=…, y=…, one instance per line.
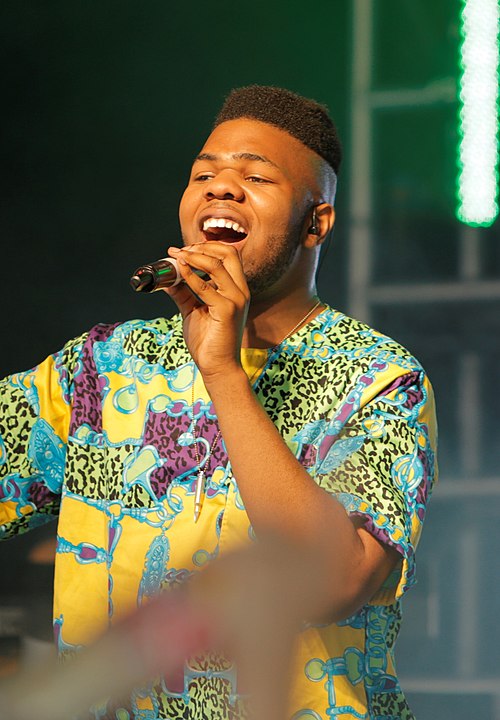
x=143, y=282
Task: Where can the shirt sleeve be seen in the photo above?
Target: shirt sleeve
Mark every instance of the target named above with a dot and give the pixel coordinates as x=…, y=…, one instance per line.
x=381, y=466
x=35, y=411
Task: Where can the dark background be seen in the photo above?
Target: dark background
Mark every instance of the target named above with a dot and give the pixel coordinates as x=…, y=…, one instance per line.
x=107, y=104
x=104, y=106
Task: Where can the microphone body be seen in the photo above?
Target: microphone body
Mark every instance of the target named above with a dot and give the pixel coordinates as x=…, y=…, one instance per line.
x=163, y=273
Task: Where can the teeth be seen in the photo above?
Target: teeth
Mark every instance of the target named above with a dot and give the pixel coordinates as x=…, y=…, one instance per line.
x=221, y=222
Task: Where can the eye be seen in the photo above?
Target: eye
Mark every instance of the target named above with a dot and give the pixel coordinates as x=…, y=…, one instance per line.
x=257, y=179
x=203, y=177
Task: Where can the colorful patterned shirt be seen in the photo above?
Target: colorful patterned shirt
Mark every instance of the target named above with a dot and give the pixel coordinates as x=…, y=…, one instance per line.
x=101, y=435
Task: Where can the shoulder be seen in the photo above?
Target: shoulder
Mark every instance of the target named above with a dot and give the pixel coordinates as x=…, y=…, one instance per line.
x=351, y=361
x=106, y=346
x=360, y=344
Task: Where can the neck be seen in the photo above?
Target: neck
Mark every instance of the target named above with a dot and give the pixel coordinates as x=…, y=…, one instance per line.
x=270, y=320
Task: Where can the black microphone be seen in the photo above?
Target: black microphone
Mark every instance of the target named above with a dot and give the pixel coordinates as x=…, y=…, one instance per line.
x=163, y=273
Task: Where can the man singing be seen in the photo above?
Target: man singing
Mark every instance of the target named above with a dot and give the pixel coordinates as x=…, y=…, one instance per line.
x=257, y=410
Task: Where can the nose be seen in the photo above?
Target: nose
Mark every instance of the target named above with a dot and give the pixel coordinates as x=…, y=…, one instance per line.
x=226, y=185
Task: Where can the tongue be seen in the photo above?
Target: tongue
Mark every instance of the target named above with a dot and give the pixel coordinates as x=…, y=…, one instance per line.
x=223, y=233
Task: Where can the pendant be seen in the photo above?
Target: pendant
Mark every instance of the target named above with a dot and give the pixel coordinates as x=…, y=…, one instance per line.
x=198, y=493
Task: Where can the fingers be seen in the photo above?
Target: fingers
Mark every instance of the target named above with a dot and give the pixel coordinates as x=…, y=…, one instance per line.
x=183, y=297
x=224, y=279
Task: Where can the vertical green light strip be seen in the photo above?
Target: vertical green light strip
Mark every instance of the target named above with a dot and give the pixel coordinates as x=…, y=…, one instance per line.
x=477, y=186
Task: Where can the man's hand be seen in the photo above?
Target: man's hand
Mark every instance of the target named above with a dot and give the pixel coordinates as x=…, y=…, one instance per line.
x=215, y=315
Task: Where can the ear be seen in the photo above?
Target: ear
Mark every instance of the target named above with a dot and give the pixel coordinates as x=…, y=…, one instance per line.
x=319, y=229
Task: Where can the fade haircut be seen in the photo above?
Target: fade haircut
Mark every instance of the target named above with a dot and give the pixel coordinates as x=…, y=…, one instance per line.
x=304, y=119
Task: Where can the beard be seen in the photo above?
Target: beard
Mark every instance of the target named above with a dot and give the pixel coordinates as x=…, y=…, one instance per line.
x=270, y=269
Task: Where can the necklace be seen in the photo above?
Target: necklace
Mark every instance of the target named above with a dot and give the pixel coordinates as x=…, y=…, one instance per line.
x=201, y=477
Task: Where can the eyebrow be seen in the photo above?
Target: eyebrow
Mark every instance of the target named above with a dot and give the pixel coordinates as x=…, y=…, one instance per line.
x=252, y=157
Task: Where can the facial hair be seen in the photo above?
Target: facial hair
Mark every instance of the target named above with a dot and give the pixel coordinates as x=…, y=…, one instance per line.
x=280, y=255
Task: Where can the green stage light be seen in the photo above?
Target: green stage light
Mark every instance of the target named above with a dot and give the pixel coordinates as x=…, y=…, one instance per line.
x=477, y=187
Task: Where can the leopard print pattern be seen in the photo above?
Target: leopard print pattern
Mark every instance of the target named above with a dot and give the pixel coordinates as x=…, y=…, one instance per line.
x=390, y=706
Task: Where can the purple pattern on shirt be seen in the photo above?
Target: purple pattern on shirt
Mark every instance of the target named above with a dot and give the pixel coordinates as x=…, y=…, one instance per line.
x=410, y=381
x=87, y=399
x=425, y=486
x=40, y=495
x=375, y=530
x=308, y=454
x=88, y=553
x=162, y=431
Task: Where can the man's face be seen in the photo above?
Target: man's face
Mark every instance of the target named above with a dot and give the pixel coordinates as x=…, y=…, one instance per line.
x=253, y=186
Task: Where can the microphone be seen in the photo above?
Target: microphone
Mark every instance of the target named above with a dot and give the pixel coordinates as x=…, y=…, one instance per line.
x=163, y=273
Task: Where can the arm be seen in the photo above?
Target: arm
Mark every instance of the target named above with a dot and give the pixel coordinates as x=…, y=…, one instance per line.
x=292, y=505
x=34, y=422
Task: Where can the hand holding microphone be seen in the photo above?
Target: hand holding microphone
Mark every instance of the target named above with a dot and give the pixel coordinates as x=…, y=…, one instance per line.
x=163, y=273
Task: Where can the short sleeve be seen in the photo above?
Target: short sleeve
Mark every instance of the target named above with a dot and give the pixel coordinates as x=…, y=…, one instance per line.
x=35, y=410
x=381, y=466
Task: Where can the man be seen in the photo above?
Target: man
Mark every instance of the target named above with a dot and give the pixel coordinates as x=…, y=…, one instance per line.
x=257, y=410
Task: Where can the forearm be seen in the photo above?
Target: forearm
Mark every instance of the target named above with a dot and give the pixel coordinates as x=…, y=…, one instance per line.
x=282, y=499
x=279, y=494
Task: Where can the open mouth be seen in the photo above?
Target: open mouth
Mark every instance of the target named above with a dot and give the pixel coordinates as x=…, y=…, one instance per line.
x=223, y=230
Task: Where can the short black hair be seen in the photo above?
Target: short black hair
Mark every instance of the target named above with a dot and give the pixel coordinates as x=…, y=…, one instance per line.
x=304, y=119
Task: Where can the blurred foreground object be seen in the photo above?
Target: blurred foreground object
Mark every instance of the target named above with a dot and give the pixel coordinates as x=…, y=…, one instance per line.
x=249, y=604
x=37, y=642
